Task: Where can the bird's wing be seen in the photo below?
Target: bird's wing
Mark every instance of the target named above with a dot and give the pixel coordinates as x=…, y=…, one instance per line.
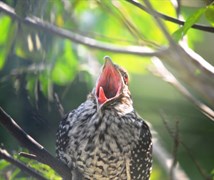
x=62, y=138
x=141, y=155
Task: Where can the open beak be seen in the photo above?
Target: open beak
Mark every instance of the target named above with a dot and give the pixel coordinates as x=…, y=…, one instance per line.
x=110, y=83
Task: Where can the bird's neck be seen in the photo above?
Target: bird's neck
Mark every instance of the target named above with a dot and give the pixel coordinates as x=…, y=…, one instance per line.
x=124, y=107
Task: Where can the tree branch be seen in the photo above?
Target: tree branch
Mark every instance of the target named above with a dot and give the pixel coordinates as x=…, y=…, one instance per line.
x=179, y=59
x=177, y=141
x=42, y=155
x=27, y=155
x=161, y=71
x=171, y=19
x=90, y=42
x=165, y=158
x=183, y=62
x=5, y=155
x=40, y=24
x=154, y=14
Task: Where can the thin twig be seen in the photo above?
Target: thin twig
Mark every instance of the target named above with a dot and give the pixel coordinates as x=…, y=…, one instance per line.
x=175, y=150
x=33, y=146
x=198, y=166
x=27, y=155
x=177, y=141
x=160, y=24
x=138, y=35
x=6, y=156
x=171, y=19
x=42, y=25
x=39, y=24
x=59, y=105
x=175, y=136
x=160, y=70
x=129, y=25
x=165, y=158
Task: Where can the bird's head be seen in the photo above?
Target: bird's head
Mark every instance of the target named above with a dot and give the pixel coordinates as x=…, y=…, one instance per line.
x=112, y=86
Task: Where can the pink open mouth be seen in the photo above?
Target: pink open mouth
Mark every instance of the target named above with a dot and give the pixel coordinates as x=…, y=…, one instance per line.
x=109, y=84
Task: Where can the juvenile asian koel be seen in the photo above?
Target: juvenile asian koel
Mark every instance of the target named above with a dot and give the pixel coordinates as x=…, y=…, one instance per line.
x=104, y=138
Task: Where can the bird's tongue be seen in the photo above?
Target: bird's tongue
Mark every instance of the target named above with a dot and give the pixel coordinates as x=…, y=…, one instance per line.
x=109, y=83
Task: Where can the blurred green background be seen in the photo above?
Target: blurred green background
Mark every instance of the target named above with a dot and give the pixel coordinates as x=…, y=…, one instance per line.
x=35, y=64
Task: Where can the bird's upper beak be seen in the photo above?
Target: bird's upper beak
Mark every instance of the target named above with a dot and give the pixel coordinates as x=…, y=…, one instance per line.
x=110, y=83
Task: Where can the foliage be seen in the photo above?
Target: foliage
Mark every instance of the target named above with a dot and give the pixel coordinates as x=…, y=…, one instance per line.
x=209, y=13
x=194, y=18
x=54, y=60
x=7, y=170
x=180, y=33
x=35, y=64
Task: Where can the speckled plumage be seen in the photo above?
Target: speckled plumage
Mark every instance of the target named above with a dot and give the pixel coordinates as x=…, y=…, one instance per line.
x=106, y=142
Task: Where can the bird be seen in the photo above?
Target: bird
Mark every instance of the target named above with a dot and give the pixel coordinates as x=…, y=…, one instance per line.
x=104, y=138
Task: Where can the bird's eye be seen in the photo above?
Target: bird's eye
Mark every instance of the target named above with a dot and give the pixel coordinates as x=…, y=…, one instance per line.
x=126, y=79
x=124, y=75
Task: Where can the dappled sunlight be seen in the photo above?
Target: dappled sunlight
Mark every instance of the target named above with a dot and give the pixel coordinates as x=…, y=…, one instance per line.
x=51, y=54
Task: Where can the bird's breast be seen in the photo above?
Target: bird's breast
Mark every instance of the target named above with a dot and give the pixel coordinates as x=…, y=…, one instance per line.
x=103, y=146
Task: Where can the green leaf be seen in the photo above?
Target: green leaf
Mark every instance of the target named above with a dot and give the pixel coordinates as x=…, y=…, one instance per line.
x=31, y=80
x=3, y=164
x=4, y=26
x=3, y=55
x=209, y=14
x=178, y=34
x=45, y=170
x=15, y=173
x=4, y=31
x=65, y=67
